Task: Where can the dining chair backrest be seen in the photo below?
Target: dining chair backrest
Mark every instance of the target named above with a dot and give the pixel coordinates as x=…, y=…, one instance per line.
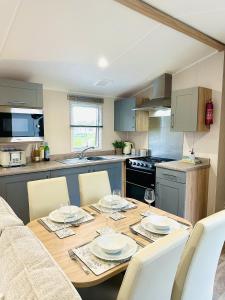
x=196, y=271
x=93, y=186
x=46, y=195
x=151, y=272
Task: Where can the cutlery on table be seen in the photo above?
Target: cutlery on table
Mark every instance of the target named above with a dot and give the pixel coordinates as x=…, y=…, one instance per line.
x=141, y=235
x=93, y=208
x=73, y=256
x=91, y=213
x=139, y=243
x=75, y=224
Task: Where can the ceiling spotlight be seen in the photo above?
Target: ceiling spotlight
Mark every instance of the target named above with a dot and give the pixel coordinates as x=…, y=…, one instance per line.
x=103, y=62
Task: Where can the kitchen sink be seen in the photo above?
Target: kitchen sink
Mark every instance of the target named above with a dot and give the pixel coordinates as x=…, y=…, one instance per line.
x=77, y=160
x=95, y=158
x=72, y=161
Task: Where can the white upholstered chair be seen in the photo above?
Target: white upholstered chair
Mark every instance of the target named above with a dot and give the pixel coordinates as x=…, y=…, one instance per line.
x=196, y=272
x=151, y=272
x=46, y=195
x=93, y=186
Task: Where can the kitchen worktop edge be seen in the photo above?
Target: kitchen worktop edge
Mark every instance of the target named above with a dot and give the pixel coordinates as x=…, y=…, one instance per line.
x=56, y=165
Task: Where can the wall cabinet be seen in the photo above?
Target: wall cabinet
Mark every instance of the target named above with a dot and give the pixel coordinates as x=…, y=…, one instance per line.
x=21, y=94
x=127, y=119
x=14, y=188
x=184, y=194
x=188, y=109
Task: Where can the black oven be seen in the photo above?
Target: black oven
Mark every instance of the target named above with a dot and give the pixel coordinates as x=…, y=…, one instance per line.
x=21, y=124
x=137, y=181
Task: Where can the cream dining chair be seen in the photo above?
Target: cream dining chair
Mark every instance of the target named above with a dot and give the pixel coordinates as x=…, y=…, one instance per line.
x=196, y=272
x=151, y=272
x=93, y=186
x=46, y=195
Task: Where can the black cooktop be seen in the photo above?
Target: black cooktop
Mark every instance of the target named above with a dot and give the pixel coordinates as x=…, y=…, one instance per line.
x=153, y=159
x=146, y=162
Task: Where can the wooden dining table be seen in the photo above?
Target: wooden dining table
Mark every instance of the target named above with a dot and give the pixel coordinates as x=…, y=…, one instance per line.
x=86, y=232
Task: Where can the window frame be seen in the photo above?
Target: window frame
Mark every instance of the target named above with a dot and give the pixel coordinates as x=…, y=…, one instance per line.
x=99, y=127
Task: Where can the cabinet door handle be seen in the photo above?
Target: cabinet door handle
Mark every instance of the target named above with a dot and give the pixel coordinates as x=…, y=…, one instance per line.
x=16, y=102
x=170, y=177
x=172, y=120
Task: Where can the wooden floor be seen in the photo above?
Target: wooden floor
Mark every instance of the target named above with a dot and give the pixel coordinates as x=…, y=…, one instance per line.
x=219, y=286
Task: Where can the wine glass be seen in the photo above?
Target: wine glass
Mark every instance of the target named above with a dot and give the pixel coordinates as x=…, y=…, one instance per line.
x=149, y=196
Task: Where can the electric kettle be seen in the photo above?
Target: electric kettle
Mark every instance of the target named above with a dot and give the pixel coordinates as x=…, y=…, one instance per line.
x=127, y=148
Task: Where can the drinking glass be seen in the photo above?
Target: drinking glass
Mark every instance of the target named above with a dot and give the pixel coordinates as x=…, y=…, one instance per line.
x=116, y=192
x=149, y=196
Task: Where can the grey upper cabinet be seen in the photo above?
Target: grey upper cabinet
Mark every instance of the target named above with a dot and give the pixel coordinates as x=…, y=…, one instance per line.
x=127, y=119
x=124, y=116
x=14, y=190
x=21, y=94
x=170, y=191
x=188, y=109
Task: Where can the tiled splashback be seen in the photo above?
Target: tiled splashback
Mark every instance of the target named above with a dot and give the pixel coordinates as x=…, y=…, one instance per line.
x=162, y=141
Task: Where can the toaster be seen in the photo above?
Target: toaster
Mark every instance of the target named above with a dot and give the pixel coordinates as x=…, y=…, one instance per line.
x=12, y=158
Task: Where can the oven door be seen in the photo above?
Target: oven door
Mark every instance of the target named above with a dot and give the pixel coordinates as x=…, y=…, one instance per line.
x=137, y=181
x=19, y=124
x=135, y=191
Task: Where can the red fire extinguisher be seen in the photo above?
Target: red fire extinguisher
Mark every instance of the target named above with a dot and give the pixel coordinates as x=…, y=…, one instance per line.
x=209, y=113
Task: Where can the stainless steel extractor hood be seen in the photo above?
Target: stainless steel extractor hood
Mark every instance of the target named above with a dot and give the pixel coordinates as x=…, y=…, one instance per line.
x=160, y=94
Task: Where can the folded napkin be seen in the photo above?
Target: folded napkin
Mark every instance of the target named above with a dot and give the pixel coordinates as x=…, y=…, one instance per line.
x=111, y=200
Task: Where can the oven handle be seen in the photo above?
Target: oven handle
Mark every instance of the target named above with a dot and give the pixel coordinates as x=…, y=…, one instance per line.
x=145, y=187
x=140, y=171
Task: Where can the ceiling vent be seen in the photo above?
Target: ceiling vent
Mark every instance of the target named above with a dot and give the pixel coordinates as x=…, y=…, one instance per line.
x=103, y=82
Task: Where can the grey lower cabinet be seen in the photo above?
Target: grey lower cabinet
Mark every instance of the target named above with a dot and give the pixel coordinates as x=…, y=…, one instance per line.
x=14, y=190
x=71, y=174
x=170, y=191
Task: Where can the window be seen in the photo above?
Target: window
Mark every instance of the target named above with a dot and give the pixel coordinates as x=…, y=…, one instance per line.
x=86, y=124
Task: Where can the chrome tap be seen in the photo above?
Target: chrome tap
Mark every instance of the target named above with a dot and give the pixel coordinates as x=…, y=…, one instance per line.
x=81, y=155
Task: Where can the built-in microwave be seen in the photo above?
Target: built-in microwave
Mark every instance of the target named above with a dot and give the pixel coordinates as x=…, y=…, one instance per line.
x=21, y=124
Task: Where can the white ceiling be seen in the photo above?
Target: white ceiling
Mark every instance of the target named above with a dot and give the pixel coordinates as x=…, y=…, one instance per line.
x=58, y=43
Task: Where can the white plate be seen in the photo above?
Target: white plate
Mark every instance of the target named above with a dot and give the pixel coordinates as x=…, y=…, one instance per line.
x=105, y=202
x=159, y=222
x=129, y=250
x=173, y=225
x=57, y=217
x=112, y=243
x=68, y=210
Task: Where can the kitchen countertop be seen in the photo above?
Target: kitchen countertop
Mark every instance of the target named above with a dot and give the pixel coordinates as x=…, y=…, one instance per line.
x=179, y=165
x=56, y=165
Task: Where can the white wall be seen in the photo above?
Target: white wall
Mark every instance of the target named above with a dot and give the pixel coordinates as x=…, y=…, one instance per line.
x=57, y=130
x=207, y=73
x=57, y=118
